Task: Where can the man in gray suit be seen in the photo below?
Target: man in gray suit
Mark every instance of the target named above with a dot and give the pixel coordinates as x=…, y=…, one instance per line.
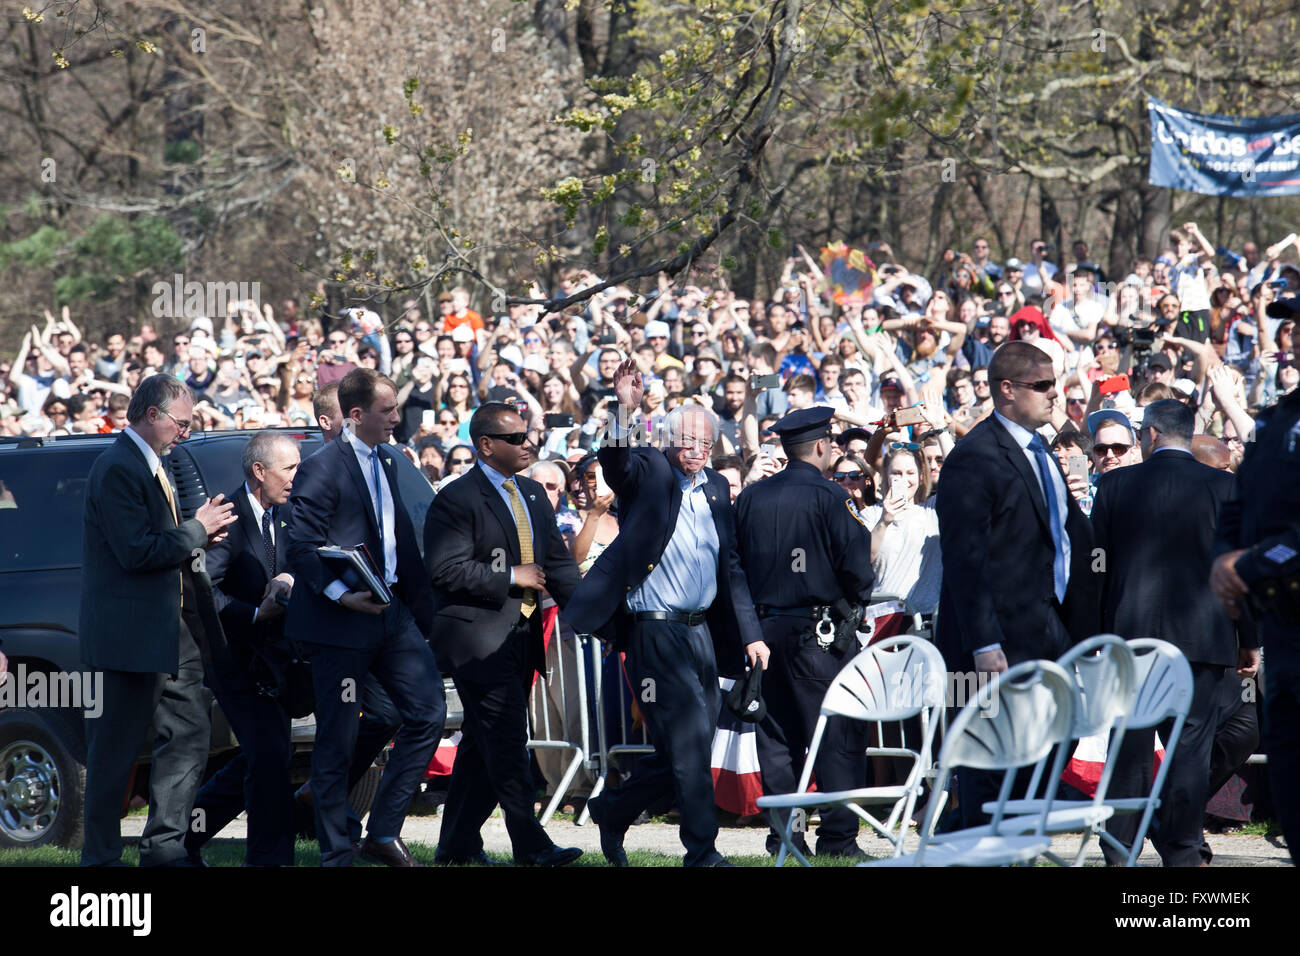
x=145, y=604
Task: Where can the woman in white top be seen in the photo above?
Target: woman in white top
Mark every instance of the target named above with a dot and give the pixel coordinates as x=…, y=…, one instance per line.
x=905, y=538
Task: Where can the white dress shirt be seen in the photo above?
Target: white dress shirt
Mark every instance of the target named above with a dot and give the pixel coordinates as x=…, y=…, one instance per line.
x=381, y=502
x=150, y=456
x=1023, y=437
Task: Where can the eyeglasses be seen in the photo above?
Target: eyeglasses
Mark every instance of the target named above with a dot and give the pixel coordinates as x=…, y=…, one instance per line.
x=532, y=340
x=1119, y=449
x=1110, y=347
x=977, y=382
x=1077, y=401
x=449, y=421
x=514, y=438
x=459, y=385
x=184, y=427
x=462, y=461
x=843, y=476
x=901, y=445
x=1042, y=385
x=703, y=444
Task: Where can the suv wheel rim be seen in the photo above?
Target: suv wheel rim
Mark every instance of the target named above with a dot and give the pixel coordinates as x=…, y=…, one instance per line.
x=29, y=791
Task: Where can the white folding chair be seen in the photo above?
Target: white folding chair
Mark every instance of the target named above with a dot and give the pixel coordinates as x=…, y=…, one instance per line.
x=1164, y=691
x=1105, y=677
x=1013, y=722
x=895, y=679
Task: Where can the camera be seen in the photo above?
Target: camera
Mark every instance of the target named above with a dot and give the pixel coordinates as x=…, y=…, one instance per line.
x=1143, y=338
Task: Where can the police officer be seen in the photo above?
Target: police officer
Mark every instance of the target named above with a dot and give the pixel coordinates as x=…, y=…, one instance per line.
x=807, y=556
x=1257, y=571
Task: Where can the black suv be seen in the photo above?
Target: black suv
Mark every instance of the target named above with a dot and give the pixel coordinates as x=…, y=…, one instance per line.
x=42, y=748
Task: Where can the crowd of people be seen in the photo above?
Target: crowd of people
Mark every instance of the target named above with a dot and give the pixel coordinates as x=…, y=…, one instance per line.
x=905, y=365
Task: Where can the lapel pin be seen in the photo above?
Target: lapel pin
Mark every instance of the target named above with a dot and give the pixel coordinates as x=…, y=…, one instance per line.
x=532, y=497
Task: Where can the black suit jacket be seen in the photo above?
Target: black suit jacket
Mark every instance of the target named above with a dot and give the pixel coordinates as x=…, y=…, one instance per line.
x=470, y=545
x=331, y=505
x=134, y=556
x=997, y=557
x=649, y=498
x=240, y=569
x=1155, y=524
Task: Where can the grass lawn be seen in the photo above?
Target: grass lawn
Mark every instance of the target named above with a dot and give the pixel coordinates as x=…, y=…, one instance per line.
x=307, y=853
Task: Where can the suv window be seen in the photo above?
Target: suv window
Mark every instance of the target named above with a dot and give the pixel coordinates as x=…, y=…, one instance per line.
x=41, y=498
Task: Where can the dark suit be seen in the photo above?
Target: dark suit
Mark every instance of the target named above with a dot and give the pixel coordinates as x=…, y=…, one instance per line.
x=137, y=560
x=998, y=581
x=680, y=662
x=491, y=650
x=258, y=778
x=332, y=505
x=1155, y=524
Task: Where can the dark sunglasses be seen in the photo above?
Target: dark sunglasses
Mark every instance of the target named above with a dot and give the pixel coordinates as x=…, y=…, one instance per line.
x=1077, y=401
x=514, y=438
x=462, y=461
x=843, y=476
x=1118, y=449
x=1042, y=385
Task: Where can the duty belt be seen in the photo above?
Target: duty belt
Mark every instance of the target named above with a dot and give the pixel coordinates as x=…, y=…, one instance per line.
x=824, y=631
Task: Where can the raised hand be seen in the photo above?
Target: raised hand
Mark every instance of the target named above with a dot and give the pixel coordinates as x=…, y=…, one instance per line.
x=628, y=385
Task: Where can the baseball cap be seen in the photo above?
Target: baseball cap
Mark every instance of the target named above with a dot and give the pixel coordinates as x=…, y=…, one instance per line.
x=1161, y=361
x=891, y=382
x=1185, y=386
x=1283, y=308
x=444, y=296
x=1104, y=415
x=202, y=322
x=462, y=333
x=656, y=330
x=1014, y=263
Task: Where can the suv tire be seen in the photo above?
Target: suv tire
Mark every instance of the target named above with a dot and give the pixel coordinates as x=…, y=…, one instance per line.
x=42, y=779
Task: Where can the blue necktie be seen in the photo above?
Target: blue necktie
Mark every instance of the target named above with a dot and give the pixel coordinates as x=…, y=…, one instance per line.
x=379, y=503
x=1053, y=514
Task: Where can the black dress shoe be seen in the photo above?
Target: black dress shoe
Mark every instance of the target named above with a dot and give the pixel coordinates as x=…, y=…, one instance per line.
x=392, y=853
x=478, y=859
x=553, y=856
x=611, y=839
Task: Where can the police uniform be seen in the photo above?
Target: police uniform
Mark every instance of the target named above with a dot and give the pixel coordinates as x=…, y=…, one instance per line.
x=804, y=548
x=1263, y=516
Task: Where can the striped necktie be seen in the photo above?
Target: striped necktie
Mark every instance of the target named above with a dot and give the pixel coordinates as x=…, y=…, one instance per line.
x=525, y=532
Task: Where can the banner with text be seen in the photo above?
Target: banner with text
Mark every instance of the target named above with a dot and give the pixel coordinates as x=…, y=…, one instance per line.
x=1224, y=155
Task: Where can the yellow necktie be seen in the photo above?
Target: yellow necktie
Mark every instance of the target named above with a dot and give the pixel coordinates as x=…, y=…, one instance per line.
x=525, y=532
x=171, y=501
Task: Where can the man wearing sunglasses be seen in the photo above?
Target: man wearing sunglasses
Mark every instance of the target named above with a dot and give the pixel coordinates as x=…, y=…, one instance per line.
x=671, y=592
x=1017, y=550
x=1113, y=442
x=492, y=546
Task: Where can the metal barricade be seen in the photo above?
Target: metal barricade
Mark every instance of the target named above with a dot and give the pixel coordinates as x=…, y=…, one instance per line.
x=560, y=716
x=619, y=739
